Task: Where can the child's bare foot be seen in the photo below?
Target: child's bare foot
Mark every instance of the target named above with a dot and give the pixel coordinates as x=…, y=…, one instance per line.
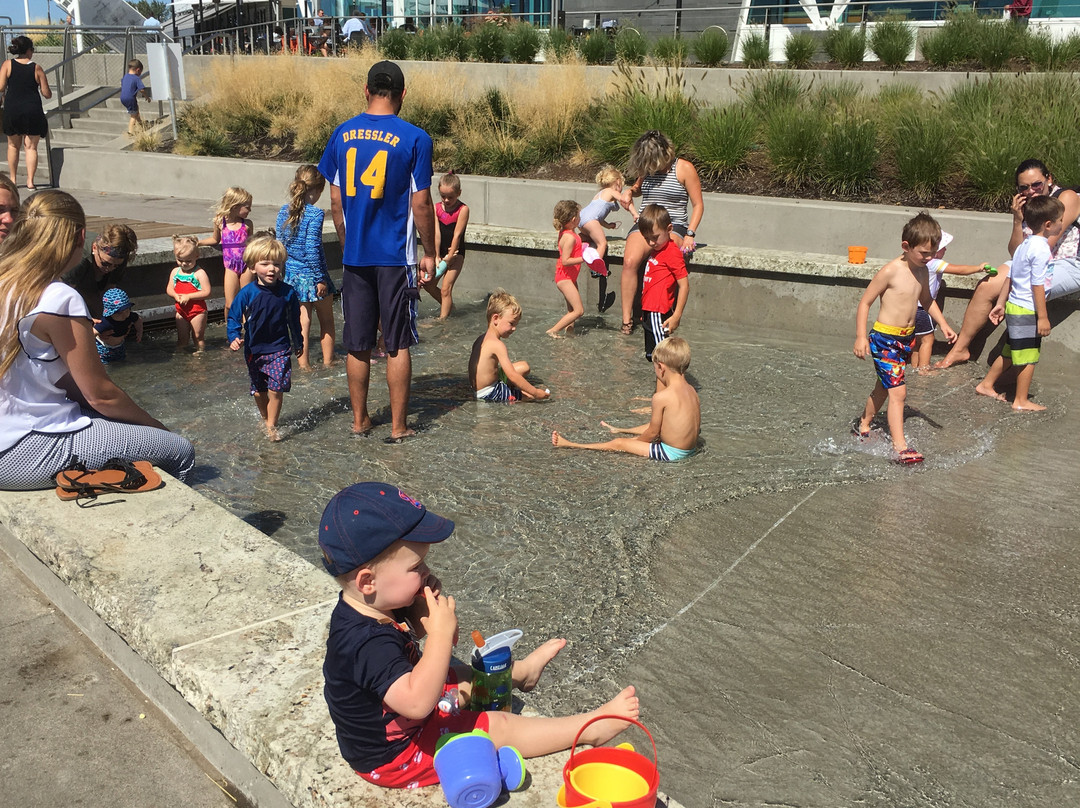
x=625, y=704
x=273, y=434
x=527, y=671
x=989, y=392
x=554, y=334
x=609, y=427
x=1028, y=406
x=557, y=439
x=305, y=366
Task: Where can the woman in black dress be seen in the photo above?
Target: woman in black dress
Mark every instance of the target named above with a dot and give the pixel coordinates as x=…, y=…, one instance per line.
x=24, y=118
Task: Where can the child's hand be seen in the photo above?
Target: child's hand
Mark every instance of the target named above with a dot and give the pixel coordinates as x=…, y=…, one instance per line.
x=669, y=325
x=182, y=300
x=997, y=314
x=236, y=343
x=540, y=395
x=948, y=333
x=862, y=347
x=441, y=618
x=1043, y=326
x=321, y=289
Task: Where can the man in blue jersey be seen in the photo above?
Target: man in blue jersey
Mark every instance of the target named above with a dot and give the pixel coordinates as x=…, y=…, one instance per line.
x=379, y=170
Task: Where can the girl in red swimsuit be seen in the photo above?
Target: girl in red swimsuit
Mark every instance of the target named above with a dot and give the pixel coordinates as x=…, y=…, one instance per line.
x=452, y=217
x=566, y=218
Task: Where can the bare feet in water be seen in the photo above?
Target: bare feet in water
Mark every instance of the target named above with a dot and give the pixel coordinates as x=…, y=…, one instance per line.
x=1028, y=406
x=527, y=671
x=953, y=357
x=989, y=392
x=624, y=705
x=363, y=427
x=273, y=434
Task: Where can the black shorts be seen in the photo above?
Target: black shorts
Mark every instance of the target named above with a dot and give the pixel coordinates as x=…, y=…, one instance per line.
x=371, y=294
x=654, y=333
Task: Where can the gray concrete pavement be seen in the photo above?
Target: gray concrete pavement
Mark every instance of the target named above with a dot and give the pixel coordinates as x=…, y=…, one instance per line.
x=73, y=728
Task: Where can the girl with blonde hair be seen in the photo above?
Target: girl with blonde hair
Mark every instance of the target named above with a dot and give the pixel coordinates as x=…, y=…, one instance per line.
x=299, y=227
x=57, y=404
x=9, y=205
x=232, y=229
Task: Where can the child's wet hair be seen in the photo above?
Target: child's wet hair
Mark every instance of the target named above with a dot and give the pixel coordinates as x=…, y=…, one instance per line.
x=264, y=247
x=501, y=302
x=565, y=210
x=185, y=245
x=608, y=175
x=450, y=180
x=922, y=229
x=653, y=219
x=135, y=64
x=673, y=352
x=1042, y=209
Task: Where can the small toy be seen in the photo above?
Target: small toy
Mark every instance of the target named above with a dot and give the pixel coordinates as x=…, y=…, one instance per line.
x=440, y=270
x=616, y=777
x=472, y=772
x=989, y=270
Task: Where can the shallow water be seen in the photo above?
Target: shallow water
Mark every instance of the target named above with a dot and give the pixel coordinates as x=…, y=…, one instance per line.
x=561, y=542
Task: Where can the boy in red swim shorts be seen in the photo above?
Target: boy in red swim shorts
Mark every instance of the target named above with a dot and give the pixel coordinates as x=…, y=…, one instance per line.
x=901, y=285
x=388, y=701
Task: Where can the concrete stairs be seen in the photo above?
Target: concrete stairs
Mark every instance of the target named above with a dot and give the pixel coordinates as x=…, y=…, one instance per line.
x=100, y=126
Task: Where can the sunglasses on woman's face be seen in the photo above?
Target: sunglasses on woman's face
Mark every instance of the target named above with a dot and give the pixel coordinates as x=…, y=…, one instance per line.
x=1035, y=186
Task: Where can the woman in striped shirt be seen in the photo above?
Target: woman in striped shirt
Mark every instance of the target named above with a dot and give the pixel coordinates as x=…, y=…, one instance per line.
x=666, y=180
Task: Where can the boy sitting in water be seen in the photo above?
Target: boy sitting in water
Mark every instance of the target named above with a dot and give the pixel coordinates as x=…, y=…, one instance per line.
x=672, y=433
x=1026, y=320
x=381, y=691
x=901, y=284
x=491, y=373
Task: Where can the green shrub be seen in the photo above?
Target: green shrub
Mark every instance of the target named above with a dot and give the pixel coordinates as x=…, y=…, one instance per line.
x=489, y=43
x=670, y=50
x=433, y=118
x=990, y=156
x=838, y=96
x=764, y=92
x=980, y=101
x=849, y=153
x=559, y=45
x=395, y=44
x=999, y=41
x=936, y=49
x=793, y=136
x=799, y=50
x=523, y=43
x=710, y=48
x=755, y=51
x=724, y=139
x=924, y=152
x=631, y=46
x=845, y=45
x=895, y=100
x=891, y=41
x=453, y=44
x=960, y=35
x=636, y=107
x=425, y=46
x=312, y=142
x=597, y=48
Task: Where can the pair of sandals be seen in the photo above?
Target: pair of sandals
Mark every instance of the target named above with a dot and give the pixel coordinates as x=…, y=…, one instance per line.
x=116, y=476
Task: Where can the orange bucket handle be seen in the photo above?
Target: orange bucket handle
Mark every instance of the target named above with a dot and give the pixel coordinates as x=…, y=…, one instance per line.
x=573, y=747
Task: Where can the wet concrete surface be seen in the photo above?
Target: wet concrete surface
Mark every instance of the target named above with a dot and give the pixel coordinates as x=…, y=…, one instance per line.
x=73, y=729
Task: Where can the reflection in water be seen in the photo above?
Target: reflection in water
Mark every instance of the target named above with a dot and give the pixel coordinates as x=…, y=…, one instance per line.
x=555, y=542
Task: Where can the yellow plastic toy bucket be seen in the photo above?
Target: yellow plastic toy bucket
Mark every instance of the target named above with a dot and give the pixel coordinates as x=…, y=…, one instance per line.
x=609, y=777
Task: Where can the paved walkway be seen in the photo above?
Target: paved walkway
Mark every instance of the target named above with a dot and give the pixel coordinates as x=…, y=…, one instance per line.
x=62, y=702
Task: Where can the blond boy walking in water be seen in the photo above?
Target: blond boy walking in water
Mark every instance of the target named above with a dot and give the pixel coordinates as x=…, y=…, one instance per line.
x=901, y=285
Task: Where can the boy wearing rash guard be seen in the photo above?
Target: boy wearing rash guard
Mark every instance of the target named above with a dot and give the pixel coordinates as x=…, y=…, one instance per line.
x=901, y=285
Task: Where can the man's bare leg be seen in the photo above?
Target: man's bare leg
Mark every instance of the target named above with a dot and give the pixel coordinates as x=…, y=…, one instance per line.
x=358, y=372
x=976, y=316
x=399, y=379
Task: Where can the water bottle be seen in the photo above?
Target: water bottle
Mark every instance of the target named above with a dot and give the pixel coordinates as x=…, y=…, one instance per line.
x=492, y=664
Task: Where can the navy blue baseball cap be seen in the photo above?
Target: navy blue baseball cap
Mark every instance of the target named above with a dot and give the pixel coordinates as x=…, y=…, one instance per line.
x=363, y=520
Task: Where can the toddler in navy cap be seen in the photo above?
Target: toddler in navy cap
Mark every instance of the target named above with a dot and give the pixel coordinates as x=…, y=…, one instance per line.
x=381, y=691
x=119, y=322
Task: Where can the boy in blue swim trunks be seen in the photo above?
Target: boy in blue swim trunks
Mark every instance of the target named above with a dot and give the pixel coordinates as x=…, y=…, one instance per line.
x=265, y=320
x=672, y=432
x=901, y=285
x=491, y=373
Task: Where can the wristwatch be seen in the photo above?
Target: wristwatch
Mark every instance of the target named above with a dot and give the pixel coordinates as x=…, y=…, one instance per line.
x=691, y=233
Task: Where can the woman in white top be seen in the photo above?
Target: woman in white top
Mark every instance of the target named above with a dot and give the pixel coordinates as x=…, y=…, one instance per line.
x=56, y=401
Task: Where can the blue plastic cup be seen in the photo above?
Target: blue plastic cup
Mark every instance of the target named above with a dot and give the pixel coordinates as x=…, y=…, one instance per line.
x=468, y=769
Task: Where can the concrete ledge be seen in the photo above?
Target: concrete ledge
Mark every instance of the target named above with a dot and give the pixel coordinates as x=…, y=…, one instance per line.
x=232, y=621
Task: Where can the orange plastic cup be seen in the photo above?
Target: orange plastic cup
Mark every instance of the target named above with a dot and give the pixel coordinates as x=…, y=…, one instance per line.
x=856, y=255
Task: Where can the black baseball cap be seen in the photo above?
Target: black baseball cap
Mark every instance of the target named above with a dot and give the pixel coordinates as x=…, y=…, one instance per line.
x=364, y=519
x=386, y=75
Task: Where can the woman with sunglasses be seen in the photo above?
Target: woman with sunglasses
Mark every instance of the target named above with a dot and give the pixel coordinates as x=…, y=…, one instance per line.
x=1033, y=178
x=102, y=266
